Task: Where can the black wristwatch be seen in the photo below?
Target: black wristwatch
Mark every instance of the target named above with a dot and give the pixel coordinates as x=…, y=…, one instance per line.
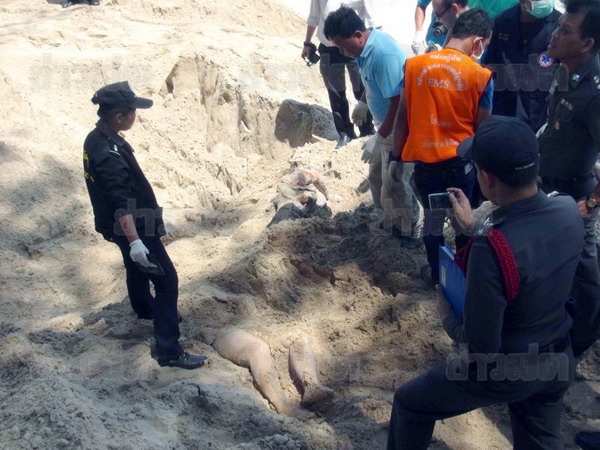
x=307, y=44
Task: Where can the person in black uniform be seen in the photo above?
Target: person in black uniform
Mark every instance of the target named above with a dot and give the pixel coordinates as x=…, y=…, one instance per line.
x=569, y=148
x=518, y=56
x=515, y=325
x=127, y=214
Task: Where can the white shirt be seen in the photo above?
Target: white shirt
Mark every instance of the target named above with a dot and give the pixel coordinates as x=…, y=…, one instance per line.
x=320, y=9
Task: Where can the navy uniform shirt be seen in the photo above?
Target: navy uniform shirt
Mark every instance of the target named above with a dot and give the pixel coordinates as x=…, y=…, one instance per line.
x=546, y=258
x=117, y=186
x=569, y=146
x=523, y=71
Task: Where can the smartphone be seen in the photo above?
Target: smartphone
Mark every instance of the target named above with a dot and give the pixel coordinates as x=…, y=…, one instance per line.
x=440, y=200
x=158, y=270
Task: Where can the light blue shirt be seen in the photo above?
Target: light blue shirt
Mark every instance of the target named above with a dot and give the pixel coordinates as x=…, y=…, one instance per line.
x=382, y=69
x=430, y=38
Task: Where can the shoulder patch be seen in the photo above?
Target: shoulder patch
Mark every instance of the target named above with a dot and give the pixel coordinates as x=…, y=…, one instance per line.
x=544, y=60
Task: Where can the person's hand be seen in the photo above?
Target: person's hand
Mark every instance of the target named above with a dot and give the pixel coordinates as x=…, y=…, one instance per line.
x=370, y=147
x=585, y=212
x=462, y=209
x=418, y=44
x=305, y=52
x=360, y=112
x=442, y=305
x=138, y=252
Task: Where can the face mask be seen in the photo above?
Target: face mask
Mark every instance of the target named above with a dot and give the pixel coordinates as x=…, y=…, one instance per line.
x=475, y=57
x=541, y=8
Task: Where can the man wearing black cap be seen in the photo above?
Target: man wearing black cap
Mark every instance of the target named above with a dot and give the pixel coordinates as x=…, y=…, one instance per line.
x=515, y=326
x=569, y=148
x=126, y=213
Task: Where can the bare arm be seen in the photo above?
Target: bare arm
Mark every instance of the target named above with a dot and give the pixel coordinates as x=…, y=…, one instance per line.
x=419, y=18
x=482, y=114
x=400, y=127
x=128, y=227
x=387, y=125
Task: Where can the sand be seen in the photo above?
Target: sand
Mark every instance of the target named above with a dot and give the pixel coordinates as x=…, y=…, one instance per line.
x=234, y=107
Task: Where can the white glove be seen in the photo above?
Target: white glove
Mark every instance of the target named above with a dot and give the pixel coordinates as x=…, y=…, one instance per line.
x=138, y=252
x=360, y=112
x=418, y=44
x=372, y=145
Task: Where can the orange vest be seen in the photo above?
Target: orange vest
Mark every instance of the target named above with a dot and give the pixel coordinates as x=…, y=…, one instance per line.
x=442, y=99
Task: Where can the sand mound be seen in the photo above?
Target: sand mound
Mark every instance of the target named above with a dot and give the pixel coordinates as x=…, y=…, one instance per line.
x=235, y=107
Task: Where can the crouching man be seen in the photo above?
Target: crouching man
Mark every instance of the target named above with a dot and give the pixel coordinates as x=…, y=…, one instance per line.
x=515, y=327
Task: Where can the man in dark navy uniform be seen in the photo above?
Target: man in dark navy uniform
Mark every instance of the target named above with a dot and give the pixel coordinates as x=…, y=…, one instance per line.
x=127, y=214
x=569, y=148
x=518, y=55
x=515, y=326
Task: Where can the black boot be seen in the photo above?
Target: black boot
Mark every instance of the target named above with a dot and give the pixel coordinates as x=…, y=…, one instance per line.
x=588, y=440
x=184, y=361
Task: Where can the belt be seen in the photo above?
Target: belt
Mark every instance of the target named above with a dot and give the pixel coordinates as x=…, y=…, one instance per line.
x=558, y=346
x=568, y=181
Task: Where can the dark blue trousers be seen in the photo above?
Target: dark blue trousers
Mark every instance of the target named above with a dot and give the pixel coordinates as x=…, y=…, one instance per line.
x=535, y=404
x=432, y=179
x=161, y=307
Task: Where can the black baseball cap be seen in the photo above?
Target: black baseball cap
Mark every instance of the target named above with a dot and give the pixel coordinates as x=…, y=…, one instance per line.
x=503, y=145
x=118, y=95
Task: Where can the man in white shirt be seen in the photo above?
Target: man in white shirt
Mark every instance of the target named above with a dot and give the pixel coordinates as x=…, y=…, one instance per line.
x=333, y=66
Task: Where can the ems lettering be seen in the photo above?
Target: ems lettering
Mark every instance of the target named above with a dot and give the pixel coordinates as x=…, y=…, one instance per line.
x=435, y=83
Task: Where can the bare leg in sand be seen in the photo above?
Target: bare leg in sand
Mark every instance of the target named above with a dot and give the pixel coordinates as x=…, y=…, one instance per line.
x=249, y=351
x=303, y=370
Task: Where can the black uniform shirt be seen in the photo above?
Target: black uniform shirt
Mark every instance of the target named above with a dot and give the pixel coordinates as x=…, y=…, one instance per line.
x=569, y=146
x=117, y=185
x=523, y=71
x=545, y=235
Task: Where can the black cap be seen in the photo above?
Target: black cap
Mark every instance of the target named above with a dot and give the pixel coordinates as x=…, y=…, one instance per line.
x=501, y=144
x=119, y=94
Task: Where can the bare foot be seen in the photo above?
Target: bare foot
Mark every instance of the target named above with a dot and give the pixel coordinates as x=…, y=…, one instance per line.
x=316, y=395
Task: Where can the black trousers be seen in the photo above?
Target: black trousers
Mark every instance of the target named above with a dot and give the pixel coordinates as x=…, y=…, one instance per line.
x=161, y=307
x=586, y=285
x=535, y=404
x=432, y=179
x=333, y=65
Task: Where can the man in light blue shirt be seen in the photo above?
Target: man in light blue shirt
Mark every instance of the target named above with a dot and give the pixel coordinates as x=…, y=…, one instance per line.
x=381, y=62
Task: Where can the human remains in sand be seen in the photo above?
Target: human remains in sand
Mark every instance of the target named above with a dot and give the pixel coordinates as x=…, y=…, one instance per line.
x=246, y=350
x=302, y=193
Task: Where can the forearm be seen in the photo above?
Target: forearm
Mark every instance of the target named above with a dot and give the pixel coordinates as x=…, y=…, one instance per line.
x=419, y=18
x=455, y=329
x=128, y=226
x=400, y=133
x=310, y=32
x=387, y=125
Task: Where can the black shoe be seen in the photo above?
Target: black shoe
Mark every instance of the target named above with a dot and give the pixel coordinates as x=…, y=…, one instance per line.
x=588, y=440
x=94, y=2
x=184, y=361
x=343, y=140
x=68, y=3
